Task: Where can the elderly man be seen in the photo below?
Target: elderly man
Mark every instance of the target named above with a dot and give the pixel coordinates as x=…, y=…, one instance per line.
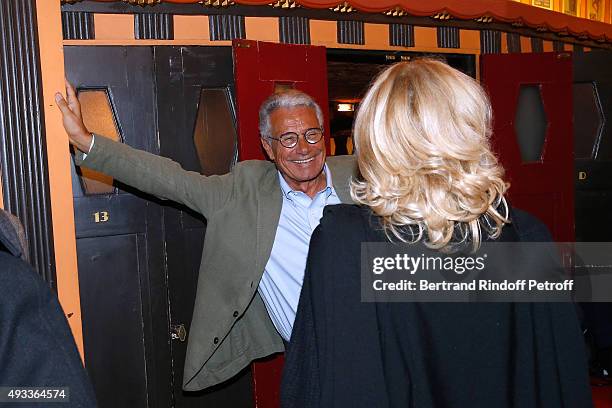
x=260, y=219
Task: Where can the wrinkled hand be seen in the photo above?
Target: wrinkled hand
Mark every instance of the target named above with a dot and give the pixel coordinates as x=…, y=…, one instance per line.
x=78, y=134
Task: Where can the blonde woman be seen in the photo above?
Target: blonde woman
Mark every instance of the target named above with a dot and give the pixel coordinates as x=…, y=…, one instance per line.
x=428, y=178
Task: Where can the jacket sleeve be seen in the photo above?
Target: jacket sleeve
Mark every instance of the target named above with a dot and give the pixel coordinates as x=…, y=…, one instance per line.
x=158, y=175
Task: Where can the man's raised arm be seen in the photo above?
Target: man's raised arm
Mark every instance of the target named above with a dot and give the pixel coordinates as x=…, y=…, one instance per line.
x=147, y=172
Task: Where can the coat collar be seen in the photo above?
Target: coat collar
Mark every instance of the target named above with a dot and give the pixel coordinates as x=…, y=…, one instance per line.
x=12, y=235
x=270, y=203
x=269, y=207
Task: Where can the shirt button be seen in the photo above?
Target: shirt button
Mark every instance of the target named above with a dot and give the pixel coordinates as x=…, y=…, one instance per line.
x=216, y=340
x=236, y=313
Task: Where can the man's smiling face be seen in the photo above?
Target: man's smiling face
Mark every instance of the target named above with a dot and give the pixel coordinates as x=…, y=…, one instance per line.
x=301, y=165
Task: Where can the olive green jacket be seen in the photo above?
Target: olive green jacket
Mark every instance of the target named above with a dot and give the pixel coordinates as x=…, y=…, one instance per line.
x=230, y=325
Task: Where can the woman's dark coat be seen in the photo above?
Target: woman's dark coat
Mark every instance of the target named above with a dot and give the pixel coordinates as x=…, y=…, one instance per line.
x=348, y=353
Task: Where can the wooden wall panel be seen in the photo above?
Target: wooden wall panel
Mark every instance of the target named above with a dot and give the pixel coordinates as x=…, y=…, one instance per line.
x=350, y=32
x=425, y=37
x=470, y=41
x=78, y=25
x=156, y=26
x=191, y=28
x=22, y=135
x=514, y=43
x=114, y=26
x=401, y=35
x=448, y=37
x=262, y=29
x=490, y=42
x=547, y=46
x=376, y=36
x=525, y=44
x=294, y=30
x=504, y=43
x=537, y=45
x=226, y=27
x=323, y=32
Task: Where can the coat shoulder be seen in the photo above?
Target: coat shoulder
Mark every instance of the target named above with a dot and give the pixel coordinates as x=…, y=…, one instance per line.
x=255, y=174
x=253, y=167
x=346, y=159
x=346, y=163
x=529, y=227
x=343, y=220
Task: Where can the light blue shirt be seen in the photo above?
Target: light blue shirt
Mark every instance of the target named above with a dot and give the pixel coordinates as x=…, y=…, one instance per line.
x=281, y=283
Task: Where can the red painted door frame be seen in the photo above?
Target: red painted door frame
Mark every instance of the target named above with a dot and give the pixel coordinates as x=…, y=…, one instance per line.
x=259, y=68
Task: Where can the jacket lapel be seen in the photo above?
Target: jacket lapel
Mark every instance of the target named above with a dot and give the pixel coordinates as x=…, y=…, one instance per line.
x=268, y=214
x=270, y=203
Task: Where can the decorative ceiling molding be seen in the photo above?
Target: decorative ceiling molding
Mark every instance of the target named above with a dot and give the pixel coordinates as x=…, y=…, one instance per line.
x=215, y=3
x=285, y=4
x=485, y=19
x=442, y=16
x=343, y=8
x=143, y=2
x=396, y=12
x=135, y=2
x=485, y=11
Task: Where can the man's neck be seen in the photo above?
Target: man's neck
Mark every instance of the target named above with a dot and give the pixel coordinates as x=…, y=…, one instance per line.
x=311, y=187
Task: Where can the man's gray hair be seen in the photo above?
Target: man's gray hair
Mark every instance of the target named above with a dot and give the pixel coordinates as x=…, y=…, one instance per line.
x=286, y=99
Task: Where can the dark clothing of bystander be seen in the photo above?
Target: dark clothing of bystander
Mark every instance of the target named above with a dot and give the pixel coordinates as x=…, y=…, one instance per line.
x=36, y=345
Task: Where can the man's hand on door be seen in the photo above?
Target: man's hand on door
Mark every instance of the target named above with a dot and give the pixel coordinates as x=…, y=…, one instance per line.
x=78, y=134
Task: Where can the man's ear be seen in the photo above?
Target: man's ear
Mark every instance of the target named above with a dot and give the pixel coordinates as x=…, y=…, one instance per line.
x=267, y=147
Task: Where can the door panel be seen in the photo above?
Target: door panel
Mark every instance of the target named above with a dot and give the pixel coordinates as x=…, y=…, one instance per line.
x=260, y=69
x=593, y=139
x=543, y=187
x=269, y=58
x=114, y=344
x=197, y=129
x=593, y=167
x=120, y=243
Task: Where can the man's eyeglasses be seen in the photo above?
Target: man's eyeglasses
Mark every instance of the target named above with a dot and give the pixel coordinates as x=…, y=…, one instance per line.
x=290, y=139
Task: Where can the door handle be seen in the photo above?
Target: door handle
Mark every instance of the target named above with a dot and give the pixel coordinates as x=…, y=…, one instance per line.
x=178, y=331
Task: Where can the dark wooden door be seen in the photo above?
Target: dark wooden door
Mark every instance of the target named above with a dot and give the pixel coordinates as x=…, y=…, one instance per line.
x=593, y=144
x=260, y=69
x=197, y=128
x=139, y=257
x=119, y=236
x=593, y=170
x=531, y=96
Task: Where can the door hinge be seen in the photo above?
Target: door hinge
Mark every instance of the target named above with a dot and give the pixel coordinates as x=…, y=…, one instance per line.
x=242, y=44
x=564, y=56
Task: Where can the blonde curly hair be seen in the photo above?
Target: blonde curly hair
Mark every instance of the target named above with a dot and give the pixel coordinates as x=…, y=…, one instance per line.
x=427, y=169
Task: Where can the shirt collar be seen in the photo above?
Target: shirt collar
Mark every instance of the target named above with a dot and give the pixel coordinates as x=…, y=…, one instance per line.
x=287, y=190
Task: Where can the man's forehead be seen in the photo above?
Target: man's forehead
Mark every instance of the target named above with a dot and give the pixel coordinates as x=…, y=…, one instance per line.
x=294, y=116
x=294, y=110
